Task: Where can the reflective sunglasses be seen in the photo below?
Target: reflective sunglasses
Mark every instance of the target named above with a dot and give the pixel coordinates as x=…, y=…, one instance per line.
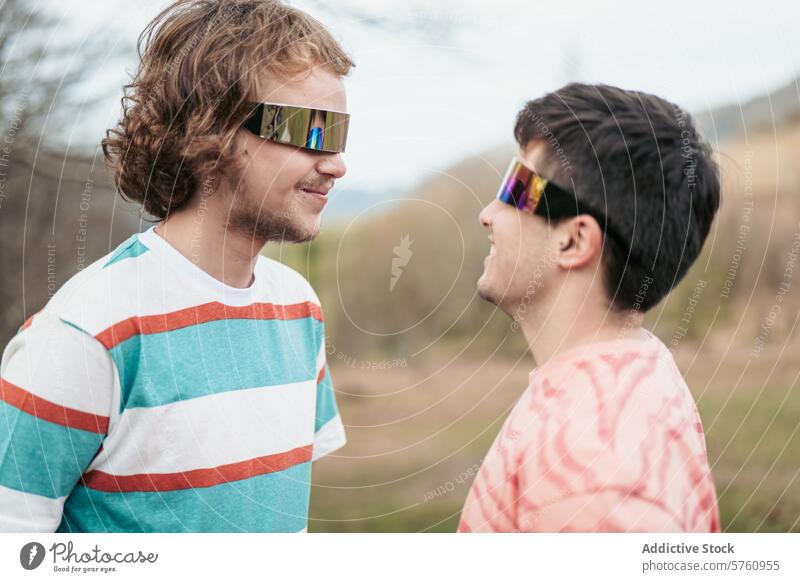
x=303, y=127
x=529, y=192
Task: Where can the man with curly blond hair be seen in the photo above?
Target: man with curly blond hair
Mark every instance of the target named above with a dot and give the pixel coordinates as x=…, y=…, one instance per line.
x=180, y=383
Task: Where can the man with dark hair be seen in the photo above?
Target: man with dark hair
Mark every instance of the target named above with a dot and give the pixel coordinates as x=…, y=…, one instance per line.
x=603, y=211
x=180, y=382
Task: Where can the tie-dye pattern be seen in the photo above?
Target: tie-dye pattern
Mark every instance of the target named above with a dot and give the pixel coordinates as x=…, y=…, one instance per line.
x=606, y=438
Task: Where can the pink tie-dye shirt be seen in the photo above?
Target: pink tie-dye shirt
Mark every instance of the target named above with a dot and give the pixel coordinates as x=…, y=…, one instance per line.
x=606, y=438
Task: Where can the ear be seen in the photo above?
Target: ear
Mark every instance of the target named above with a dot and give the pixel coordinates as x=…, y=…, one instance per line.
x=580, y=242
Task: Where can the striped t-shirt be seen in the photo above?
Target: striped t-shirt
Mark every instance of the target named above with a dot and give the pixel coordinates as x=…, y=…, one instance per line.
x=149, y=396
x=606, y=438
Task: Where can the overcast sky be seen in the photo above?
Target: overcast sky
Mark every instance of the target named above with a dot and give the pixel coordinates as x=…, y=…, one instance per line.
x=455, y=73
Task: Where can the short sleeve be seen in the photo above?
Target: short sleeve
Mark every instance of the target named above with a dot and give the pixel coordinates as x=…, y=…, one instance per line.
x=56, y=393
x=329, y=432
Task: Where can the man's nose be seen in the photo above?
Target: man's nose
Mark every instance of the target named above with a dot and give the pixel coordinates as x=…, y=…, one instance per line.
x=487, y=214
x=332, y=165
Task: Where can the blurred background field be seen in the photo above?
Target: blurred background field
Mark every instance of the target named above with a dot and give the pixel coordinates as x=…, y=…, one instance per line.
x=424, y=370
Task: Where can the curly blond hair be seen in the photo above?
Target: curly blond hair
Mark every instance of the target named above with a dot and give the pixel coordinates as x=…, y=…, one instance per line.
x=199, y=67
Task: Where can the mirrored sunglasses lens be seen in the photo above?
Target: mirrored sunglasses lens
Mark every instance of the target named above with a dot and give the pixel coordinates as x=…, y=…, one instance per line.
x=515, y=188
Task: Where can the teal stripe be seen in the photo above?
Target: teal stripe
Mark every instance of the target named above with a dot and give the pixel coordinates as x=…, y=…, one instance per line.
x=275, y=502
x=39, y=457
x=326, y=401
x=129, y=249
x=214, y=357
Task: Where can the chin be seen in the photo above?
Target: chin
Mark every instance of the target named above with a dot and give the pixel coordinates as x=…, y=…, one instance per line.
x=301, y=234
x=485, y=290
x=300, y=228
x=311, y=228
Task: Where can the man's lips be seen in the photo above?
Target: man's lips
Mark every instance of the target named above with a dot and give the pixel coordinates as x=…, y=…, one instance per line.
x=319, y=190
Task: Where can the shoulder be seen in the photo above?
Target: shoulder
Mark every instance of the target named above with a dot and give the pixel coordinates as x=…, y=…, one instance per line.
x=607, y=412
x=613, y=390
x=93, y=299
x=284, y=283
x=53, y=360
x=609, y=373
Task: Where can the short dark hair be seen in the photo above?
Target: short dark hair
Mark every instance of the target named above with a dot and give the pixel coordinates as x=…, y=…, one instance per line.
x=639, y=160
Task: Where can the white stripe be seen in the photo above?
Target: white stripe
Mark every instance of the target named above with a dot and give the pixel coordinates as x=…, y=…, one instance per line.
x=321, y=357
x=210, y=431
x=25, y=512
x=329, y=437
x=283, y=284
x=152, y=284
x=61, y=364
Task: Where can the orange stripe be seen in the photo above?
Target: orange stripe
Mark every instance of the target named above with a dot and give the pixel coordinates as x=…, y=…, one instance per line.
x=153, y=482
x=204, y=313
x=50, y=411
x=321, y=375
x=28, y=322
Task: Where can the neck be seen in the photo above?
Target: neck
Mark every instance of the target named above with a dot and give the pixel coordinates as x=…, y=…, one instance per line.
x=564, y=325
x=198, y=231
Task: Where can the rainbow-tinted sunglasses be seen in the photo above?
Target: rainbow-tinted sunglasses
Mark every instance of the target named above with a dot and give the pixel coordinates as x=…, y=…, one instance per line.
x=529, y=192
x=303, y=127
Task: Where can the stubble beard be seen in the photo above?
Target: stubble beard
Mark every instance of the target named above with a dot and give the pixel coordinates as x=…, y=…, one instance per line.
x=254, y=221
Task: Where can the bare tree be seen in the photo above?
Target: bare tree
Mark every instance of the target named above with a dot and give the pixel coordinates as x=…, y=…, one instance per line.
x=57, y=208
